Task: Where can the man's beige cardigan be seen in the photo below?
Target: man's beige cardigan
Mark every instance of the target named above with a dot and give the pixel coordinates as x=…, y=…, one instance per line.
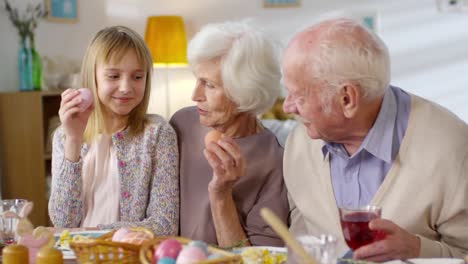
x=425, y=191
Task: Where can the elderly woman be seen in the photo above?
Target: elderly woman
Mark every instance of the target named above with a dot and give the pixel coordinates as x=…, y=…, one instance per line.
x=226, y=183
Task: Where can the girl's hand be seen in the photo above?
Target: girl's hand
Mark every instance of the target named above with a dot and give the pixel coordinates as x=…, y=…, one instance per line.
x=228, y=164
x=73, y=121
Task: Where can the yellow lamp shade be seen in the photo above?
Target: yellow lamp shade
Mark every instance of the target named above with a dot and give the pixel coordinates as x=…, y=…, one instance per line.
x=165, y=37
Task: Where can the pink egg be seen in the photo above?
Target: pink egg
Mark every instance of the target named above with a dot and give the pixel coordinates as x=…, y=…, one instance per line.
x=86, y=97
x=136, y=237
x=120, y=234
x=169, y=248
x=190, y=255
x=33, y=245
x=31, y=242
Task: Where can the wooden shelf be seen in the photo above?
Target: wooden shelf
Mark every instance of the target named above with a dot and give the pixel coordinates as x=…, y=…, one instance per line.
x=24, y=118
x=52, y=93
x=47, y=156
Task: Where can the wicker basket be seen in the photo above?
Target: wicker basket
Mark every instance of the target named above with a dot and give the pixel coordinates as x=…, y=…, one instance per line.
x=103, y=250
x=146, y=252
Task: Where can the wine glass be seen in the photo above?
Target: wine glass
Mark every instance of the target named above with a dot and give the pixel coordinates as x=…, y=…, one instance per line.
x=9, y=221
x=355, y=225
x=322, y=248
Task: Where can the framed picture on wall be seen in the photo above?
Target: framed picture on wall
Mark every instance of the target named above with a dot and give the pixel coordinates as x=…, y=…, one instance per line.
x=281, y=3
x=63, y=11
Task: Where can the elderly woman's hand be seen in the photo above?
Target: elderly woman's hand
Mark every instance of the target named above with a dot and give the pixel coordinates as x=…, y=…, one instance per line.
x=228, y=164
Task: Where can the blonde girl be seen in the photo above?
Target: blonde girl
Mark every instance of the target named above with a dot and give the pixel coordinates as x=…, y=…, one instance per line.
x=112, y=164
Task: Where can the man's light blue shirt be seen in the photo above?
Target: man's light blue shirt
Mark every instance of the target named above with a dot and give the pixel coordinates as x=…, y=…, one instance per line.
x=356, y=178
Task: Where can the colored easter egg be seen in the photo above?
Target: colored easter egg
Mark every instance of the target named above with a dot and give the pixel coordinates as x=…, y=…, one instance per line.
x=33, y=244
x=169, y=248
x=136, y=237
x=212, y=136
x=120, y=234
x=155, y=258
x=200, y=244
x=166, y=261
x=86, y=99
x=190, y=255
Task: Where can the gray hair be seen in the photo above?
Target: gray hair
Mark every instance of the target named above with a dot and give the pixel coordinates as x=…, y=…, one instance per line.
x=348, y=52
x=248, y=59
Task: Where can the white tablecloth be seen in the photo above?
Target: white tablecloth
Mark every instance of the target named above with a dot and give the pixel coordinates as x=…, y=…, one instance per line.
x=428, y=261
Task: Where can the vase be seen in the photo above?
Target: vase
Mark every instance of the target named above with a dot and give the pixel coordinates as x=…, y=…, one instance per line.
x=24, y=67
x=36, y=68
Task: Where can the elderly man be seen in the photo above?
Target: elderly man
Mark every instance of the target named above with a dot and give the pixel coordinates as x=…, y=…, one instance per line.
x=364, y=142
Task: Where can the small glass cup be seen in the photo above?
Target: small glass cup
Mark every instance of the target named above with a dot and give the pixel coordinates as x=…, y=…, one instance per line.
x=8, y=221
x=355, y=225
x=322, y=248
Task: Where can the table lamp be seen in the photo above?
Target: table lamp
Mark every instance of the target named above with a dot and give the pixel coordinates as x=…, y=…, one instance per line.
x=165, y=38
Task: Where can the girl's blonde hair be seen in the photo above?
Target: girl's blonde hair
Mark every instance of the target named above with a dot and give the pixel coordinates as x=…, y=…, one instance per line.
x=109, y=46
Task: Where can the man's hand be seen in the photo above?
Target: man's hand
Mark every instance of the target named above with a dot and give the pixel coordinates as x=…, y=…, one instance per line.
x=398, y=243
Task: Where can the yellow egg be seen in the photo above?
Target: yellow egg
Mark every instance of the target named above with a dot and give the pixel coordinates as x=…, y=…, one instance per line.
x=212, y=136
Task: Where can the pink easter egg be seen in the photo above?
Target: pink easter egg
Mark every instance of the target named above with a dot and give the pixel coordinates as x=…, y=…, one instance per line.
x=31, y=241
x=190, y=255
x=120, y=234
x=33, y=245
x=136, y=237
x=169, y=248
x=86, y=99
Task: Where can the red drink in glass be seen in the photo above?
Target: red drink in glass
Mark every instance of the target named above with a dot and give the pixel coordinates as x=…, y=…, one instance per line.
x=355, y=226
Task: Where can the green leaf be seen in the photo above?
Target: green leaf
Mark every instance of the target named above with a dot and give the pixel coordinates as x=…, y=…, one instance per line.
x=27, y=22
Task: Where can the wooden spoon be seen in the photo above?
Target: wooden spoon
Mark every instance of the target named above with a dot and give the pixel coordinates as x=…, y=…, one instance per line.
x=283, y=232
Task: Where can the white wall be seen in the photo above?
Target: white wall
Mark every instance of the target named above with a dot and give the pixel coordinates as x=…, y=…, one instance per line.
x=428, y=48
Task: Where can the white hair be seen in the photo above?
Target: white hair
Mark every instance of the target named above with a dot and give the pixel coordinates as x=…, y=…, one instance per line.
x=249, y=63
x=348, y=52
